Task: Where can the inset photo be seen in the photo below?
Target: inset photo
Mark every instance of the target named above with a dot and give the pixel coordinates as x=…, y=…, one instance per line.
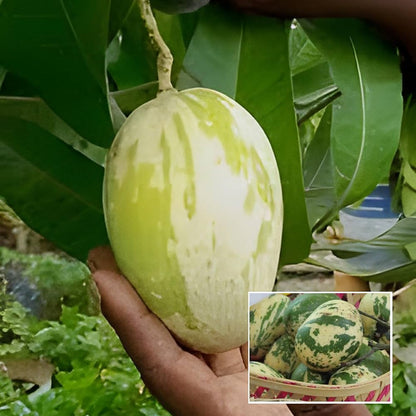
x=320, y=347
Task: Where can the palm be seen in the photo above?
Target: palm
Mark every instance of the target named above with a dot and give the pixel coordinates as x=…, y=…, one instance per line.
x=186, y=383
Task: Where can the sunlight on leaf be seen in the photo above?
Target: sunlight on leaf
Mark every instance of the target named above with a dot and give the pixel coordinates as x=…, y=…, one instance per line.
x=366, y=117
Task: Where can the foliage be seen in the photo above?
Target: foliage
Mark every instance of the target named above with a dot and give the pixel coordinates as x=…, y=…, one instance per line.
x=327, y=93
x=93, y=373
x=67, y=89
x=404, y=369
x=404, y=393
x=43, y=282
x=386, y=258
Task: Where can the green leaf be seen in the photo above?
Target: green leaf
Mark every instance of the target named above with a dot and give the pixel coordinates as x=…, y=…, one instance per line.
x=385, y=258
x=406, y=187
x=367, y=116
x=79, y=378
x=188, y=23
x=313, y=86
x=384, y=266
x=406, y=354
x=246, y=57
x=59, y=47
x=405, y=311
x=130, y=57
x=51, y=187
x=268, y=96
x=400, y=235
x=303, y=54
x=407, y=139
x=317, y=171
x=409, y=174
x=313, y=90
x=119, y=11
x=43, y=283
x=15, y=86
x=3, y=73
x=131, y=98
x=408, y=200
x=36, y=111
x=212, y=58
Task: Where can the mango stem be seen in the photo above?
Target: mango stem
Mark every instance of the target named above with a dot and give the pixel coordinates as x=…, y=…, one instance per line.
x=164, y=56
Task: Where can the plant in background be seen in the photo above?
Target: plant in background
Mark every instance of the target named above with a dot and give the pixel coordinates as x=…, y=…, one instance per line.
x=62, y=104
x=327, y=93
x=93, y=374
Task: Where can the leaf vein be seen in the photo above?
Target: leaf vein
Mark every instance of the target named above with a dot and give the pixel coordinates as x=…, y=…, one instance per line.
x=363, y=129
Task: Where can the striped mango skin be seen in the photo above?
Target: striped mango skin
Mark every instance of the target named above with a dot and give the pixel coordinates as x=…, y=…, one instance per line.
x=330, y=336
x=357, y=373
x=262, y=370
x=282, y=355
x=377, y=305
x=266, y=324
x=193, y=208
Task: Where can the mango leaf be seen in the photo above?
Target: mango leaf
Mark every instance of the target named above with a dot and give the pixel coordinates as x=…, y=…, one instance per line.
x=313, y=86
x=36, y=111
x=247, y=58
x=313, y=90
x=212, y=58
x=407, y=139
x=131, y=57
x=119, y=11
x=118, y=116
x=383, y=266
x=367, y=116
x=317, y=171
x=52, y=187
x=389, y=257
x=188, y=22
x=406, y=187
x=131, y=98
x=59, y=47
x=131, y=60
x=15, y=86
x=408, y=200
x=303, y=54
x=3, y=73
x=269, y=97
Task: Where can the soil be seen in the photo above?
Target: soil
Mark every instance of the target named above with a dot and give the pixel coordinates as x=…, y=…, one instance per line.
x=304, y=278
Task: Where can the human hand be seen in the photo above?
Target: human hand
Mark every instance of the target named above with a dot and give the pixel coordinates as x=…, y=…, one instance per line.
x=186, y=383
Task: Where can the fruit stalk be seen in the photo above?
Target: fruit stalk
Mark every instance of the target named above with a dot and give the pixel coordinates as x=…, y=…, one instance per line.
x=380, y=321
x=375, y=347
x=164, y=56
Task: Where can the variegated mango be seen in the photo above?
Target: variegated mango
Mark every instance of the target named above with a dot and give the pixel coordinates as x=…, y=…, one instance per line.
x=193, y=209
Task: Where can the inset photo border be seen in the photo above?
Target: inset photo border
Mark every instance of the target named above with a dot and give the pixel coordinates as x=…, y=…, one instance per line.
x=321, y=347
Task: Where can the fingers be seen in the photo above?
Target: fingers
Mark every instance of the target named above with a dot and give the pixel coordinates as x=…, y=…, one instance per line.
x=180, y=380
x=102, y=258
x=225, y=363
x=244, y=354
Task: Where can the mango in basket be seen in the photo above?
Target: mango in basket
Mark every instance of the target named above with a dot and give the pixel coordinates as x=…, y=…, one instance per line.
x=262, y=370
x=331, y=336
x=282, y=355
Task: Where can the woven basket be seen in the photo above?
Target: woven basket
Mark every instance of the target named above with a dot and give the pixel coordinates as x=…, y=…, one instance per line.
x=377, y=390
